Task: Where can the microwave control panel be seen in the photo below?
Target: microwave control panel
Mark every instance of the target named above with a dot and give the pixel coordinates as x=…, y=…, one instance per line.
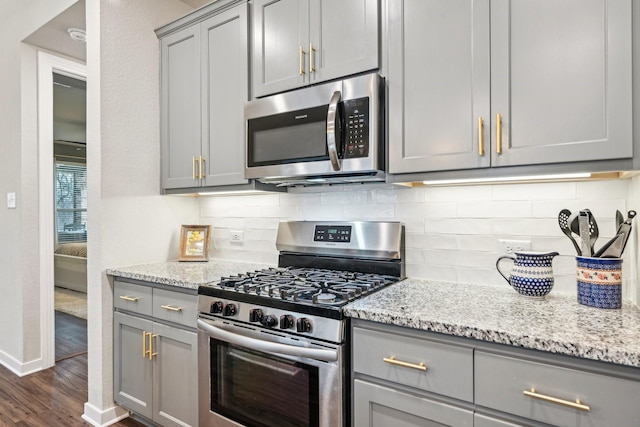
x=356, y=125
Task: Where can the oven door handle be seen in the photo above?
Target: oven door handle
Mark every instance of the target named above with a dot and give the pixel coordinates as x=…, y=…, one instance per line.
x=267, y=346
x=332, y=130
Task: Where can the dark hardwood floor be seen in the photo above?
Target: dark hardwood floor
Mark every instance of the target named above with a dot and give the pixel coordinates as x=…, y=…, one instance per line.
x=71, y=336
x=54, y=397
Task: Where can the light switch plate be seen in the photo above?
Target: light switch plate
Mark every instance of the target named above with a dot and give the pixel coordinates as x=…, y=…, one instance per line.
x=11, y=200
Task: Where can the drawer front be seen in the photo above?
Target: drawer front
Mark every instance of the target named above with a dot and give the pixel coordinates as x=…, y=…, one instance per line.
x=135, y=298
x=448, y=369
x=376, y=405
x=176, y=307
x=501, y=383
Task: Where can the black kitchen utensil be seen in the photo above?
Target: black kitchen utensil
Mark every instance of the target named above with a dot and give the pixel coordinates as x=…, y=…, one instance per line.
x=619, y=219
x=563, y=222
x=593, y=231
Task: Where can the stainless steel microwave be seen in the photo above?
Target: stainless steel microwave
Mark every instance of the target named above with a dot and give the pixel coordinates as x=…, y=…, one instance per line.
x=329, y=133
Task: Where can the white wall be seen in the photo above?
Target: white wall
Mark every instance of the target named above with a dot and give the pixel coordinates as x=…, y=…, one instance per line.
x=129, y=222
x=19, y=287
x=452, y=233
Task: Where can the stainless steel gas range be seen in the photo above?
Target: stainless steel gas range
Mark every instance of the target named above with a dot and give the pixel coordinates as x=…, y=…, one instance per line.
x=272, y=347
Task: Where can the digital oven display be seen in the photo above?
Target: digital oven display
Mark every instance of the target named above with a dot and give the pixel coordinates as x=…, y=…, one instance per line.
x=332, y=233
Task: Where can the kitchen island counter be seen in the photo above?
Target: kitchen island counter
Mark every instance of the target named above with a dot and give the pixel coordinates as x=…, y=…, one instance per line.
x=557, y=324
x=188, y=275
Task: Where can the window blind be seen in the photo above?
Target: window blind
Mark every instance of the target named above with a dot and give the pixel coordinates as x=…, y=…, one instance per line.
x=71, y=202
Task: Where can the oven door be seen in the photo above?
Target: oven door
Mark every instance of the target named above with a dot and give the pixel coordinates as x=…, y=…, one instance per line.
x=252, y=377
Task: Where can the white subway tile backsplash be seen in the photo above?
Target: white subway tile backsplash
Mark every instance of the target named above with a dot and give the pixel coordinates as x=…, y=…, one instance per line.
x=456, y=194
x=451, y=233
x=590, y=190
x=370, y=212
x=398, y=194
x=500, y=209
x=536, y=191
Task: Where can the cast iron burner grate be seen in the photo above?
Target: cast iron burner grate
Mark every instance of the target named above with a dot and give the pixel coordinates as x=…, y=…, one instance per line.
x=307, y=285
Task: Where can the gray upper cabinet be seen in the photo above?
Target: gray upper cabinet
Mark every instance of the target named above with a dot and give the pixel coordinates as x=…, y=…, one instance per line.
x=225, y=89
x=438, y=81
x=508, y=83
x=180, y=107
x=205, y=83
x=301, y=42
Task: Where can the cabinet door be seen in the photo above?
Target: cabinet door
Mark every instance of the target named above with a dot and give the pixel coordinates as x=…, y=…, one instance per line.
x=487, y=421
x=375, y=405
x=343, y=38
x=180, y=108
x=175, y=398
x=225, y=65
x=280, y=45
x=438, y=85
x=132, y=368
x=561, y=79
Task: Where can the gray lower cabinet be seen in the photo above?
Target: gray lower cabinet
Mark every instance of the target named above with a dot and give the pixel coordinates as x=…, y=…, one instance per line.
x=494, y=83
x=403, y=379
x=155, y=354
x=302, y=42
x=408, y=377
x=554, y=394
x=377, y=405
x=205, y=83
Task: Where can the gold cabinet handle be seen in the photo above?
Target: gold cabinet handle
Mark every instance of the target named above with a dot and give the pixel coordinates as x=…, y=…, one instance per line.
x=312, y=67
x=302, y=54
x=145, y=352
x=393, y=361
x=128, y=298
x=577, y=404
x=151, y=353
x=193, y=167
x=498, y=133
x=480, y=137
x=201, y=162
x=171, y=308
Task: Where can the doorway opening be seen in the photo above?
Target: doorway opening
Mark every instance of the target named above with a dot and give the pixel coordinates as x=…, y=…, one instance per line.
x=62, y=201
x=70, y=215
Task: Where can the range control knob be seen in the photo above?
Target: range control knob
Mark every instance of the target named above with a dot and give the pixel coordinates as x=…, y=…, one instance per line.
x=216, y=307
x=286, y=321
x=229, y=310
x=269, y=321
x=303, y=325
x=255, y=315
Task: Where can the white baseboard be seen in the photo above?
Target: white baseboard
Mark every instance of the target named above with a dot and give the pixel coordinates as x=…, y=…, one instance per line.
x=19, y=368
x=103, y=418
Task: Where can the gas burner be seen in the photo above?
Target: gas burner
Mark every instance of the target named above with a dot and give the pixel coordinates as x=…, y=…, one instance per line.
x=324, y=298
x=307, y=285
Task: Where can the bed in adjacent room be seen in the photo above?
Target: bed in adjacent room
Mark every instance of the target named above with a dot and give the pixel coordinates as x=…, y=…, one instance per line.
x=70, y=263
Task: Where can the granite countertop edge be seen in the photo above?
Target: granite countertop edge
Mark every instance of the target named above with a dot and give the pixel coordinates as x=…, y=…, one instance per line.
x=486, y=313
x=556, y=325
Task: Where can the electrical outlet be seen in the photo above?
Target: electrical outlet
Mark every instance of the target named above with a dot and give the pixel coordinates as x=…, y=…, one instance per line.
x=509, y=247
x=237, y=235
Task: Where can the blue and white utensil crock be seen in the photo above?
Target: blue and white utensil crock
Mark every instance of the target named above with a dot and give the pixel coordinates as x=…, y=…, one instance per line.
x=599, y=282
x=532, y=273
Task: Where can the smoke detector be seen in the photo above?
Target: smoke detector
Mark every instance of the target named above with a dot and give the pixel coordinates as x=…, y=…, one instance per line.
x=77, y=34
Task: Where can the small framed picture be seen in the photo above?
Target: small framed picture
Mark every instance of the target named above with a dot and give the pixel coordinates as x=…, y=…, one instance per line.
x=194, y=243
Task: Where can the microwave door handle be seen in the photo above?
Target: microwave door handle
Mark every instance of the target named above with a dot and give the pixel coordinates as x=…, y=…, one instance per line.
x=266, y=346
x=332, y=128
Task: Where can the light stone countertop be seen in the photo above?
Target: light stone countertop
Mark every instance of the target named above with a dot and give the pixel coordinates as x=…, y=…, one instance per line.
x=557, y=324
x=185, y=274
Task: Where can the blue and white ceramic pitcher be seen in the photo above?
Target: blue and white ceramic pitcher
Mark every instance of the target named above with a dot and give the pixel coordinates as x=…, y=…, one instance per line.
x=532, y=273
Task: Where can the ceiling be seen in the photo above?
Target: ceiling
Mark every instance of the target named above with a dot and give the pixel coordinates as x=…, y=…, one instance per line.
x=53, y=35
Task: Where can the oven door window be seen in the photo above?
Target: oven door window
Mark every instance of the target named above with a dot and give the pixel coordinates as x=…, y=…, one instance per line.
x=258, y=389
